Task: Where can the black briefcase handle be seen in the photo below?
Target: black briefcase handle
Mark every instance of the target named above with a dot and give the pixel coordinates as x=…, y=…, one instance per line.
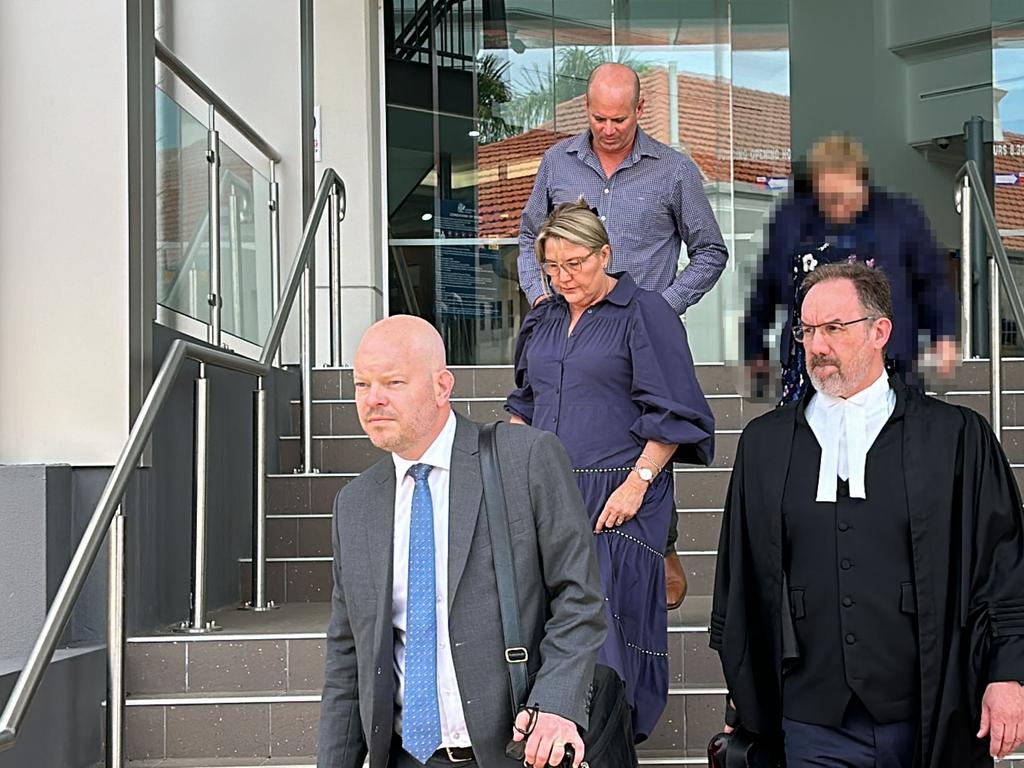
x=738, y=749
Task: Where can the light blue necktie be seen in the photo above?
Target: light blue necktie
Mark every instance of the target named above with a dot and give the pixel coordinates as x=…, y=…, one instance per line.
x=421, y=719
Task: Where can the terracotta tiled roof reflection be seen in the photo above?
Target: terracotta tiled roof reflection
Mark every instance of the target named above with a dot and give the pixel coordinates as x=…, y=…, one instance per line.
x=1009, y=200
x=759, y=148
x=506, y=170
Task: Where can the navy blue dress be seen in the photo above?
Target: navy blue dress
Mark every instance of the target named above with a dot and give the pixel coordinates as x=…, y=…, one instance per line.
x=624, y=376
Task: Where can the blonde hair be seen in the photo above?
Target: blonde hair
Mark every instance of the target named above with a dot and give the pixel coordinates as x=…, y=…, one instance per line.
x=575, y=223
x=838, y=152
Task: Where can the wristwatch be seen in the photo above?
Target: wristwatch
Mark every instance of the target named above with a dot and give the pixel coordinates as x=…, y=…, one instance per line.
x=646, y=474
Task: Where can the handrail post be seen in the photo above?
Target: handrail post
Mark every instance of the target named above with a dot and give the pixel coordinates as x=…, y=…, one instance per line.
x=334, y=237
x=213, y=184
x=259, y=600
x=974, y=149
x=236, y=259
x=196, y=623
x=275, y=245
x=996, y=352
x=307, y=353
x=966, y=208
x=115, y=642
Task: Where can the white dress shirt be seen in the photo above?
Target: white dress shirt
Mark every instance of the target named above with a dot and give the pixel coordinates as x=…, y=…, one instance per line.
x=846, y=429
x=438, y=456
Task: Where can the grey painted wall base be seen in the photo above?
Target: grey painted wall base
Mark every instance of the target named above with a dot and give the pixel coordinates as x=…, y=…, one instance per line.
x=29, y=564
x=64, y=725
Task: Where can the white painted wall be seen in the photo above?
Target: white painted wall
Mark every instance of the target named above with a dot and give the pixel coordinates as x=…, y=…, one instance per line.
x=248, y=51
x=63, y=231
x=349, y=87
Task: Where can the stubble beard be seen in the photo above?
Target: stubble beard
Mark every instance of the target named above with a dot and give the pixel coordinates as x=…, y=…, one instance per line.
x=843, y=380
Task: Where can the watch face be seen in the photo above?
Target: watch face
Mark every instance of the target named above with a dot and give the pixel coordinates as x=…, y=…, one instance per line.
x=646, y=474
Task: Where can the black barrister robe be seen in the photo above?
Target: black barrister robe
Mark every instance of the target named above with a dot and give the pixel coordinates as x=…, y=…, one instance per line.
x=967, y=536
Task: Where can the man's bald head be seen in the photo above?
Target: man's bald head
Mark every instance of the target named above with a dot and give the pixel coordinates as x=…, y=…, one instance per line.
x=614, y=107
x=614, y=78
x=403, y=385
x=412, y=335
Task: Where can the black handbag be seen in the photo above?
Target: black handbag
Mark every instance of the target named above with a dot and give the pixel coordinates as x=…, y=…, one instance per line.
x=608, y=740
x=739, y=749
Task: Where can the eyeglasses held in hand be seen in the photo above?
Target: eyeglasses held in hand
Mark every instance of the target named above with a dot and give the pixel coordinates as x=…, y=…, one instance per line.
x=570, y=267
x=805, y=332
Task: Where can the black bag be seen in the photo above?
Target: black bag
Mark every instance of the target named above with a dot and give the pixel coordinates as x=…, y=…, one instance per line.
x=739, y=749
x=608, y=740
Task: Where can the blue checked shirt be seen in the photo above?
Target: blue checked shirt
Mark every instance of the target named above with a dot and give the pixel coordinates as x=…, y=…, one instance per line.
x=652, y=203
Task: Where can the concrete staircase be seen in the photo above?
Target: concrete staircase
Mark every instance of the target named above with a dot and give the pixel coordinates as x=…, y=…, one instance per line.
x=249, y=696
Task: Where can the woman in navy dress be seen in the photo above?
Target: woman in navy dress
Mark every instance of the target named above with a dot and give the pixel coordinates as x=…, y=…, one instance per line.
x=605, y=365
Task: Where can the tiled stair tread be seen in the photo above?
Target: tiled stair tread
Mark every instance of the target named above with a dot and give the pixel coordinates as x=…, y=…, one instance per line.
x=209, y=698
x=311, y=619
x=310, y=762
x=227, y=762
x=694, y=612
x=289, y=619
x=277, y=696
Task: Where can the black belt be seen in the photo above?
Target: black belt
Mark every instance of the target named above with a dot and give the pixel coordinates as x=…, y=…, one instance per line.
x=454, y=755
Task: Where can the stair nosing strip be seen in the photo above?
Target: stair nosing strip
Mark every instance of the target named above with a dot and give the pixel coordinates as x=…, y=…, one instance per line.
x=498, y=399
x=265, y=636
x=313, y=474
x=729, y=431
x=710, y=364
x=312, y=698
x=328, y=515
x=356, y=474
x=234, y=637
x=686, y=629
x=191, y=700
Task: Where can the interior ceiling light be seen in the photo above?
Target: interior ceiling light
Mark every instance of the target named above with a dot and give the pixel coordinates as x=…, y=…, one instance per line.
x=474, y=133
x=427, y=216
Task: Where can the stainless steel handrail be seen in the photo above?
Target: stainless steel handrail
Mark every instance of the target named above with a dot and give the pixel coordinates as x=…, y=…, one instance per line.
x=193, y=81
x=328, y=181
x=63, y=603
x=971, y=196
x=74, y=579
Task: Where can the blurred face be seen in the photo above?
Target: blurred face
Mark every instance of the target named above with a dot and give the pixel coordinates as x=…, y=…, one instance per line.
x=613, y=116
x=576, y=272
x=401, y=397
x=841, y=195
x=841, y=360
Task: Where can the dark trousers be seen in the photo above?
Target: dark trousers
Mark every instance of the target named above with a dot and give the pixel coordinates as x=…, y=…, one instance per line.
x=859, y=742
x=401, y=759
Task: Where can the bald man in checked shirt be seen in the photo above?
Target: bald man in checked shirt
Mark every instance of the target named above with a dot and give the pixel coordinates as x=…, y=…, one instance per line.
x=651, y=200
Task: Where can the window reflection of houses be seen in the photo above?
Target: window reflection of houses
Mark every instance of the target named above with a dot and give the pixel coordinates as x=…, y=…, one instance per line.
x=1008, y=162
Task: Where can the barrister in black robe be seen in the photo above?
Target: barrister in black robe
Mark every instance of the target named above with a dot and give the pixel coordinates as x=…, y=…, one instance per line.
x=966, y=556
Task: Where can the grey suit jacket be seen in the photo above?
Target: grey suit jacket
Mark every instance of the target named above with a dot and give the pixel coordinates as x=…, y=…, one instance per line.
x=560, y=599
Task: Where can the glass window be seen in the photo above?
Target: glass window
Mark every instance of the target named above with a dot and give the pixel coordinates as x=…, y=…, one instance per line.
x=473, y=106
x=1008, y=142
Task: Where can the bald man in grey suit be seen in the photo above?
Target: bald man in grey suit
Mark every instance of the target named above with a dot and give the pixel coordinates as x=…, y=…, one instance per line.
x=413, y=684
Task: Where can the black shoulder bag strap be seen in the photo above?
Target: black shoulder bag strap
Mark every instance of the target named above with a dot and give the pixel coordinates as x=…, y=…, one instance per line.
x=504, y=570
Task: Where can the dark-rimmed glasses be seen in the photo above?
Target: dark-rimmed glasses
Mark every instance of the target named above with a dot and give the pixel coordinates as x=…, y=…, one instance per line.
x=570, y=267
x=805, y=332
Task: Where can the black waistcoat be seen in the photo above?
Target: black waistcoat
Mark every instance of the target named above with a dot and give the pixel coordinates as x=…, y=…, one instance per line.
x=850, y=574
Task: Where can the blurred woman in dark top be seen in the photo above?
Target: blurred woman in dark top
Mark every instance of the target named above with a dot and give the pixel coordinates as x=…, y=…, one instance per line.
x=844, y=218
